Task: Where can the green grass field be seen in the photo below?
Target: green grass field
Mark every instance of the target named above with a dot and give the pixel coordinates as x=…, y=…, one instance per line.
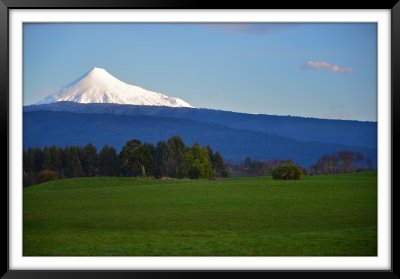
x=318, y=215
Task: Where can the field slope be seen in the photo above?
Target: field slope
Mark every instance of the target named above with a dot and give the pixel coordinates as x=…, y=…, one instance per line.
x=319, y=215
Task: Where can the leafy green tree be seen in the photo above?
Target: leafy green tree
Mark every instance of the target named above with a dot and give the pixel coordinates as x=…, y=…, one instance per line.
x=197, y=162
x=136, y=160
x=108, y=161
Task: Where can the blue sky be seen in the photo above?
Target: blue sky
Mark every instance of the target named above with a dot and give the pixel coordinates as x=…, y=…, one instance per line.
x=311, y=70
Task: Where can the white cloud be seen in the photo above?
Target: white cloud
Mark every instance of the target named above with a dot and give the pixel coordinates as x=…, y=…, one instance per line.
x=321, y=65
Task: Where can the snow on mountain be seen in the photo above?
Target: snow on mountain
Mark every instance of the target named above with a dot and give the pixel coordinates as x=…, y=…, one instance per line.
x=99, y=86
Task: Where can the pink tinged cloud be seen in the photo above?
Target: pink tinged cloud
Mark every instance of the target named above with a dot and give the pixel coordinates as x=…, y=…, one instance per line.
x=321, y=65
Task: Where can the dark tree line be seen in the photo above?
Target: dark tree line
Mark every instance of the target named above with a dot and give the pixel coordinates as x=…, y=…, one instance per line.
x=171, y=158
x=341, y=162
x=252, y=167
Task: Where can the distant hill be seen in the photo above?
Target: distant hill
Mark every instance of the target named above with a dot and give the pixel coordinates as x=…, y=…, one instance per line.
x=354, y=133
x=235, y=135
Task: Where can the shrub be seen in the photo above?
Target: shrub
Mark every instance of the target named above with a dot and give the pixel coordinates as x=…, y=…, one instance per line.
x=287, y=171
x=29, y=178
x=224, y=173
x=47, y=175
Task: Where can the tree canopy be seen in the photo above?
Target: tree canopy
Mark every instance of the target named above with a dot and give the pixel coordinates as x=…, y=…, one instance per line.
x=171, y=158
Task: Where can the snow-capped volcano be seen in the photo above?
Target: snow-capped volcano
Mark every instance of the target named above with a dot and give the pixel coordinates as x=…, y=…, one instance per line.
x=99, y=86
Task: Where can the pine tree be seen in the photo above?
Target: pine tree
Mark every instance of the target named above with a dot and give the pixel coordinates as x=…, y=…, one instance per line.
x=219, y=165
x=29, y=160
x=72, y=163
x=89, y=160
x=38, y=154
x=46, y=164
x=108, y=161
x=174, y=156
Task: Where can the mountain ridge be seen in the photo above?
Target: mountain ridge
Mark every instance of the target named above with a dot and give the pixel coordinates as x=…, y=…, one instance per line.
x=45, y=128
x=347, y=132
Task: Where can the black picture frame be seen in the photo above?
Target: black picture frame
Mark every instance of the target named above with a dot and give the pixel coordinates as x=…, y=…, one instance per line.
x=7, y=5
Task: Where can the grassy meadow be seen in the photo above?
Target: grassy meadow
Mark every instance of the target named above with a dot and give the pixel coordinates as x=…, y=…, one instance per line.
x=255, y=216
